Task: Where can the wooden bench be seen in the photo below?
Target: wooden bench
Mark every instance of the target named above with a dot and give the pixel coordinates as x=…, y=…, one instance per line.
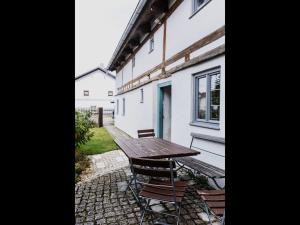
x=201, y=167
x=146, y=133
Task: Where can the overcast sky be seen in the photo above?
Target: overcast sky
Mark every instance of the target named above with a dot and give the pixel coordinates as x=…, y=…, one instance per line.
x=99, y=25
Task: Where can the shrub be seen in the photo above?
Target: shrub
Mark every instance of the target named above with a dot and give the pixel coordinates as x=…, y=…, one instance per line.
x=81, y=163
x=83, y=124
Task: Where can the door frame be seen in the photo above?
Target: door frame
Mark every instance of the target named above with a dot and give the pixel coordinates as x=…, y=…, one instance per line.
x=160, y=98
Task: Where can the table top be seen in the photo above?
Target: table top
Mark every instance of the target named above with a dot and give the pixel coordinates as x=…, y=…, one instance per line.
x=153, y=148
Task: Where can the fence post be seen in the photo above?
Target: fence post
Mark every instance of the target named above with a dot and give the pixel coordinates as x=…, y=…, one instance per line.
x=100, y=119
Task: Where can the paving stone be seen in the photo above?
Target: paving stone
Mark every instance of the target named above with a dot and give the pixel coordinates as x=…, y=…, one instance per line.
x=103, y=201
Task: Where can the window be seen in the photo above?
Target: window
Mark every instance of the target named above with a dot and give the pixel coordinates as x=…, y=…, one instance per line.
x=198, y=4
x=93, y=108
x=133, y=61
x=207, y=97
x=151, y=48
x=86, y=93
x=110, y=93
x=123, y=107
x=117, y=106
x=142, y=95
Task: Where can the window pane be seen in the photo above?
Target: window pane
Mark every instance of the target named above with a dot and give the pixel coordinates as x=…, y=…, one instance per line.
x=198, y=3
x=215, y=112
x=202, y=98
x=215, y=97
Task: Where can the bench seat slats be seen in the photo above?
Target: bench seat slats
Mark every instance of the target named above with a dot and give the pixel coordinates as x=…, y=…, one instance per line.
x=202, y=167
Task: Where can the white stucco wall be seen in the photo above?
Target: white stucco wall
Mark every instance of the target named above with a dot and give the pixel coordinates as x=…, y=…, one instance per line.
x=137, y=115
x=145, y=60
x=182, y=108
x=98, y=84
x=183, y=31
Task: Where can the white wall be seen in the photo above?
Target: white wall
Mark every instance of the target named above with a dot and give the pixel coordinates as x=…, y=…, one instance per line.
x=145, y=60
x=182, y=108
x=137, y=115
x=183, y=31
x=98, y=84
x=144, y=115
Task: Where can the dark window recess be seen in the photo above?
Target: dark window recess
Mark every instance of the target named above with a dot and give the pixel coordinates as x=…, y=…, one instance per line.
x=86, y=93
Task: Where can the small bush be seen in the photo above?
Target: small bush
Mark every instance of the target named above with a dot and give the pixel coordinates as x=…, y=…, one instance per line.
x=81, y=164
x=83, y=124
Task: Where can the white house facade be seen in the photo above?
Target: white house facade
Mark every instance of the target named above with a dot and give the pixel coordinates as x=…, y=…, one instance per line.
x=170, y=74
x=95, y=89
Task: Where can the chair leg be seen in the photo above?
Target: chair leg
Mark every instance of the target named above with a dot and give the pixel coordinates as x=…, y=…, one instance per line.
x=207, y=212
x=130, y=182
x=178, y=213
x=144, y=210
x=223, y=219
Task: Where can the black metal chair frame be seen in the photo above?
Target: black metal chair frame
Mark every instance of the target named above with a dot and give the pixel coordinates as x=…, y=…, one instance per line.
x=144, y=202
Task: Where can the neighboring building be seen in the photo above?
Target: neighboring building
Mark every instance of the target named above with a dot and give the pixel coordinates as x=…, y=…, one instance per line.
x=94, y=89
x=170, y=66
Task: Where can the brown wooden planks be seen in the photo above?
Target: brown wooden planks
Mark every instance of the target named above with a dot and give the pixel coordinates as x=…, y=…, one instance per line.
x=159, y=196
x=155, y=148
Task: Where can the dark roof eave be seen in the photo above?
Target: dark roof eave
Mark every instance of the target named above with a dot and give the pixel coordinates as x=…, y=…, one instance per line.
x=94, y=70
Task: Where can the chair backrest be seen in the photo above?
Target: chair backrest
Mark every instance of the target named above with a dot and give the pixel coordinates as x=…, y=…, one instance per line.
x=155, y=170
x=154, y=167
x=146, y=133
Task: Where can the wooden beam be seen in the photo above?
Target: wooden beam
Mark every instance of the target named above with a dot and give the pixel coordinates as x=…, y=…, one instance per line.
x=184, y=53
x=145, y=28
x=187, y=57
x=164, y=48
x=199, y=44
x=159, y=6
x=195, y=61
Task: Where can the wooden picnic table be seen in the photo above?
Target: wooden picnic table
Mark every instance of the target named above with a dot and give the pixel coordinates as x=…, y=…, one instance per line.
x=153, y=148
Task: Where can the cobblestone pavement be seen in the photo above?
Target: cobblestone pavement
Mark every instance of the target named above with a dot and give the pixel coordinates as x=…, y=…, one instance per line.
x=103, y=201
x=105, y=163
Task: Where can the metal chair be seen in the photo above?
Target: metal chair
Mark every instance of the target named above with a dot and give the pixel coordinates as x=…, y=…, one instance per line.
x=214, y=203
x=161, y=184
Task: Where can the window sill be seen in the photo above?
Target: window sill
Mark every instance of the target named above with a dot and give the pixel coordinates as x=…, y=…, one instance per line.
x=201, y=7
x=209, y=125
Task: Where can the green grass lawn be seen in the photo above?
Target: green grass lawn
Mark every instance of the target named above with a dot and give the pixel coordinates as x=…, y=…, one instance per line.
x=100, y=142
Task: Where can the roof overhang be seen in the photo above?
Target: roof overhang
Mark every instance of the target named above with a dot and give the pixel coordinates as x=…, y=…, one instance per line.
x=140, y=24
x=94, y=70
